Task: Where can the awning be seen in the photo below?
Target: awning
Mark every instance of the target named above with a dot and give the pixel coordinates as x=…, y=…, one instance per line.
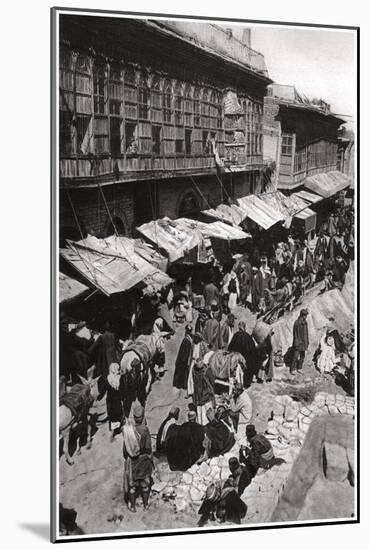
x=177, y=237
x=309, y=198
x=226, y=213
x=112, y=265
x=260, y=211
x=328, y=184
x=305, y=214
x=69, y=288
x=288, y=206
x=214, y=230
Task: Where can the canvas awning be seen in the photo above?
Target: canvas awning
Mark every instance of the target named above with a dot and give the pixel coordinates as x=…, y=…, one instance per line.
x=226, y=213
x=179, y=236
x=112, y=265
x=305, y=214
x=309, y=198
x=327, y=184
x=69, y=288
x=260, y=211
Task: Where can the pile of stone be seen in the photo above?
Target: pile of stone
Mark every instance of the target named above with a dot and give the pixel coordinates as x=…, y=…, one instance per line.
x=288, y=425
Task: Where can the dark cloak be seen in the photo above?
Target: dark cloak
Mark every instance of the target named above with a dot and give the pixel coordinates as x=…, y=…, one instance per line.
x=182, y=364
x=184, y=445
x=221, y=438
x=244, y=344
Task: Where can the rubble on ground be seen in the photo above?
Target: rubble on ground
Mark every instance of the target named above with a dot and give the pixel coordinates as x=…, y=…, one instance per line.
x=289, y=422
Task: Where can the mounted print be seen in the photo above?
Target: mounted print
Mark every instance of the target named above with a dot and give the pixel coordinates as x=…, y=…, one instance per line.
x=204, y=274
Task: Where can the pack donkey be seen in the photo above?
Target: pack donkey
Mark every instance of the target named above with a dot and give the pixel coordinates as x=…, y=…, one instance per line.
x=74, y=407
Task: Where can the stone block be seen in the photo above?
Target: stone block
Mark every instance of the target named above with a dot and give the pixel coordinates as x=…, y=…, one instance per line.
x=320, y=398
x=182, y=491
x=335, y=462
x=340, y=400
x=193, y=469
x=204, y=470
x=283, y=400
x=187, y=478
x=224, y=473
x=331, y=399
x=285, y=432
x=305, y=411
x=332, y=409
x=290, y=424
x=278, y=409
x=195, y=495
x=291, y=411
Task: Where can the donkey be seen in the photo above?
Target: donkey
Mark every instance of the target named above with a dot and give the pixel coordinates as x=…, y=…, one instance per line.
x=74, y=408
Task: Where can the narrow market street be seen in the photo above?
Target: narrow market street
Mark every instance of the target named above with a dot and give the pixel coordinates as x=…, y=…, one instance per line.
x=93, y=485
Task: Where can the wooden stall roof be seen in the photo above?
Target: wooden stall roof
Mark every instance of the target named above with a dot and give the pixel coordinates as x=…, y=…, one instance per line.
x=259, y=211
x=69, y=288
x=179, y=236
x=112, y=265
x=328, y=184
x=226, y=213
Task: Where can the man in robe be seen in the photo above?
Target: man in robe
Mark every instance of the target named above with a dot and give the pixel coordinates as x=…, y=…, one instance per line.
x=137, y=453
x=104, y=351
x=169, y=421
x=199, y=350
x=227, y=330
x=203, y=390
x=241, y=406
x=185, y=443
x=300, y=341
x=219, y=433
x=211, y=293
x=183, y=360
x=244, y=344
x=212, y=333
x=245, y=279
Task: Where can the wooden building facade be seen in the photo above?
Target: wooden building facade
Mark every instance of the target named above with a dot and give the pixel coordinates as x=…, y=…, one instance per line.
x=145, y=129
x=302, y=136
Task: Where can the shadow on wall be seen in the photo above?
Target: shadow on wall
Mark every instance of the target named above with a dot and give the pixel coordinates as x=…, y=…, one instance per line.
x=321, y=482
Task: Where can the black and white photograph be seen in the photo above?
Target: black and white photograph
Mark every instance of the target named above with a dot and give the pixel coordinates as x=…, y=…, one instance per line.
x=205, y=220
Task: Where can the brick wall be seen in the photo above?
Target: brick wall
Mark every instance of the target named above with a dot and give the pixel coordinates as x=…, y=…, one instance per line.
x=172, y=191
x=91, y=211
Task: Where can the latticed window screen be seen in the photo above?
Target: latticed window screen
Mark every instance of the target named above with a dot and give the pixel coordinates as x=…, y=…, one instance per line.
x=178, y=104
x=130, y=94
x=99, y=88
x=156, y=100
x=143, y=98
x=167, y=101
x=188, y=105
x=196, y=107
x=115, y=91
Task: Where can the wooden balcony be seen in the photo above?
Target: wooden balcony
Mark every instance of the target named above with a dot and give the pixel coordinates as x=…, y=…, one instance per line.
x=131, y=168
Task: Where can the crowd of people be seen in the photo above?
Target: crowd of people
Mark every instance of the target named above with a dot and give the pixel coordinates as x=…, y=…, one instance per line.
x=271, y=283
x=219, y=410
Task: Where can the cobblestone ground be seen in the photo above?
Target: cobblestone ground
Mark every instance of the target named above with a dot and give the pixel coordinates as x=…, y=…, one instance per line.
x=93, y=485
